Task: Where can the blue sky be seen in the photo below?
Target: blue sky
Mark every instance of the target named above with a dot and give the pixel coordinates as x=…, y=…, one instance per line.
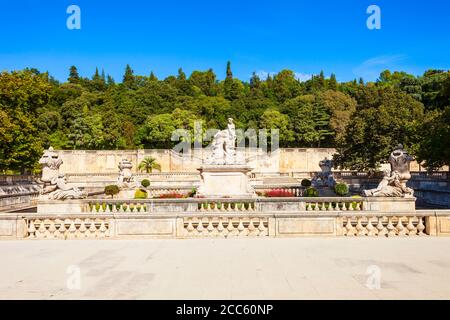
x=256, y=35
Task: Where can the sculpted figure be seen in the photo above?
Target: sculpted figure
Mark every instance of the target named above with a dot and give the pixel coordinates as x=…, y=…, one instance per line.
x=50, y=162
x=125, y=174
x=59, y=190
x=394, y=182
x=325, y=178
x=224, y=146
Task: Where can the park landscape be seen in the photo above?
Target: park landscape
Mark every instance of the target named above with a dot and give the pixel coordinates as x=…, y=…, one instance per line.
x=202, y=185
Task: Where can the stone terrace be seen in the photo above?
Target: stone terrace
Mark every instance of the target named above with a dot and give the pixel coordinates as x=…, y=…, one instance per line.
x=301, y=268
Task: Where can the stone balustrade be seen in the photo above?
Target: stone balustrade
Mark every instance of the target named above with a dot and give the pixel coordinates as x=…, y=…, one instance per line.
x=383, y=226
x=67, y=228
x=250, y=217
x=18, y=201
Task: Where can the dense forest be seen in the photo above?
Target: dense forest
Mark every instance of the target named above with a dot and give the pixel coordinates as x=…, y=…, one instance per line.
x=362, y=120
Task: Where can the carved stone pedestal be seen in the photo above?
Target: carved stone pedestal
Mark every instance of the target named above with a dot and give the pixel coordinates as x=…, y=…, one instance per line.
x=219, y=181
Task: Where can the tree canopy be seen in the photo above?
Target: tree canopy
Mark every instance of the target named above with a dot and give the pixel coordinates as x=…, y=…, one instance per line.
x=363, y=120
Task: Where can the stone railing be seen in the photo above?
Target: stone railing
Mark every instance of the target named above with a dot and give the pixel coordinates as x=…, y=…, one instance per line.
x=250, y=217
x=67, y=228
x=17, y=179
x=388, y=225
x=18, y=201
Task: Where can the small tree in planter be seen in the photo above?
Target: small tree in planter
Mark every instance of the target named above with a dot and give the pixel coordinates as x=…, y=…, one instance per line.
x=112, y=190
x=341, y=189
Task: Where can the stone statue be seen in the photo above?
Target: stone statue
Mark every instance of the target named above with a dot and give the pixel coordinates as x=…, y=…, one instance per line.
x=59, y=190
x=50, y=162
x=55, y=184
x=325, y=178
x=125, y=174
x=394, y=181
x=224, y=146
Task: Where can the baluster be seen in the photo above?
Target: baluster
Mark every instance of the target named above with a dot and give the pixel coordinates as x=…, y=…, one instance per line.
x=350, y=206
x=200, y=228
x=316, y=208
x=344, y=208
x=190, y=227
x=103, y=229
x=31, y=230
x=220, y=227
x=82, y=229
x=360, y=228
x=210, y=227
x=351, y=231
x=372, y=231
x=324, y=207
x=252, y=230
x=72, y=230
x=421, y=227
x=400, y=228
x=391, y=229
x=50, y=233
x=330, y=206
x=412, y=231
x=382, y=231
x=41, y=230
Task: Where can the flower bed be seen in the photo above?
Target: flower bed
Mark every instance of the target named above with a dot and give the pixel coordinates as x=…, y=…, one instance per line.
x=278, y=193
x=172, y=195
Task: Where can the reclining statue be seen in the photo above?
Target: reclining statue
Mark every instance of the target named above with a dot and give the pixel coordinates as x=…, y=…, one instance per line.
x=59, y=190
x=394, y=181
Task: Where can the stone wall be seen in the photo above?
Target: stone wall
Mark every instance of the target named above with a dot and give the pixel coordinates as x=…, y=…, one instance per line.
x=281, y=161
x=99, y=161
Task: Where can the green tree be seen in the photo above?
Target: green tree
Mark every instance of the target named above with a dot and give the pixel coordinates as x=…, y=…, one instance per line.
x=374, y=131
x=273, y=119
x=74, y=77
x=434, y=148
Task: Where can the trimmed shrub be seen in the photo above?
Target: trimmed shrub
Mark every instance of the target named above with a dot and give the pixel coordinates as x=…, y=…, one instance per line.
x=278, y=193
x=306, y=183
x=341, y=189
x=140, y=194
x=145, y=183
x=311, y=192
x=112, y=190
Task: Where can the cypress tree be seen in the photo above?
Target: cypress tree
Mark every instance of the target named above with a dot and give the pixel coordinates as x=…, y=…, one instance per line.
x=74, y=77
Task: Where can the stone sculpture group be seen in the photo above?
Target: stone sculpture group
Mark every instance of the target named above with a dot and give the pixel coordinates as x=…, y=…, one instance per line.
x=55, y=184
x=224, y=147
x=394, y=181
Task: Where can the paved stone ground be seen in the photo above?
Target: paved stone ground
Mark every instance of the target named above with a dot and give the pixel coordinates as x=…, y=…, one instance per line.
x=301, y=268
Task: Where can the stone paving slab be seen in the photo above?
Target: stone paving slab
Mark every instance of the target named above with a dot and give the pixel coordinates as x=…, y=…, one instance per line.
x=301, y=268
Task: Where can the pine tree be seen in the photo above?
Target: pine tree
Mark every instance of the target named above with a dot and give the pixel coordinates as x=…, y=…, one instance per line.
x=332, y=84
x=74, y=77
x=128, y=78
x=321, y=80
x=181, y=75
x=229, y=72
x=152, y=77
x=110, y=80
x=96, y=76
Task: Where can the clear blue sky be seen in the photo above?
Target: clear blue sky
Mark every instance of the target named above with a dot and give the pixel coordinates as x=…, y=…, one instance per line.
x=256, y=35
